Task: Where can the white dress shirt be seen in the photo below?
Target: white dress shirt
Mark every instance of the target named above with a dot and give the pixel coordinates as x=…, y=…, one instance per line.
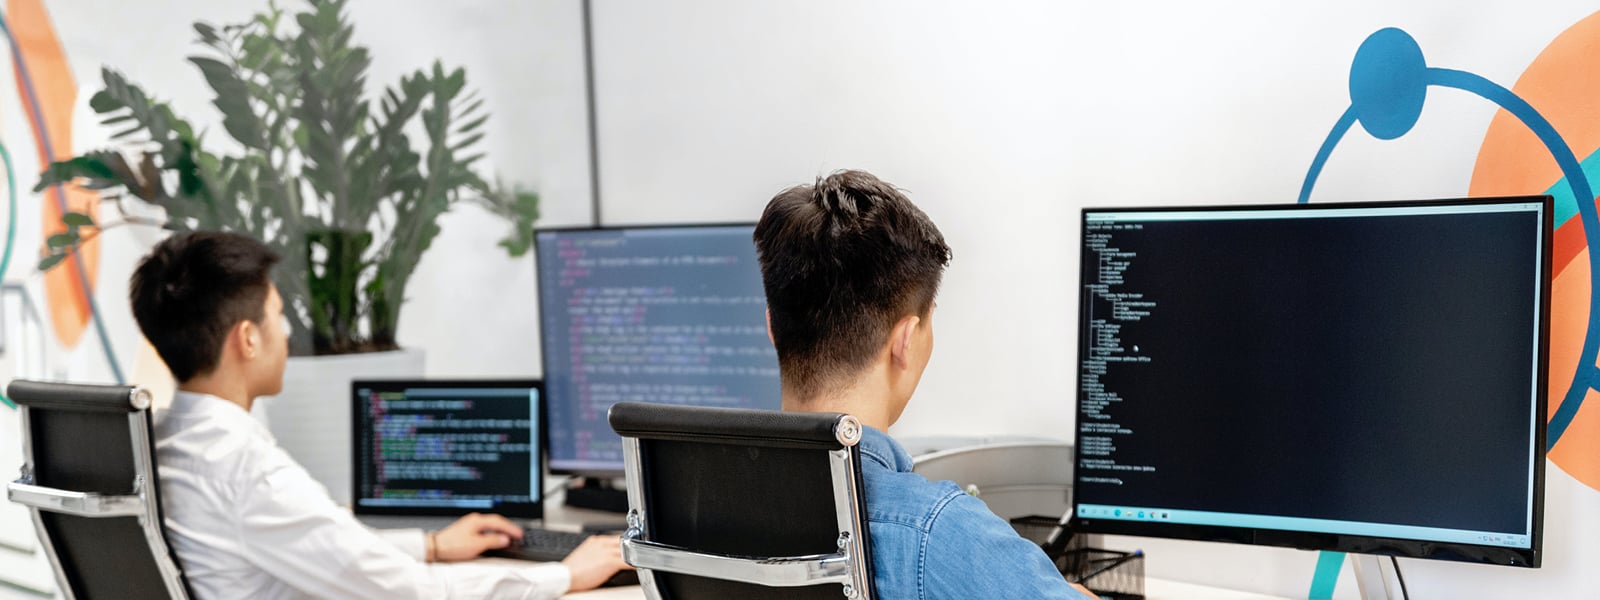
x=247, y=521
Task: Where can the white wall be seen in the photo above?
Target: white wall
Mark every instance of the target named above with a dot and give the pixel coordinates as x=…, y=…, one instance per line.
x=1001, y=119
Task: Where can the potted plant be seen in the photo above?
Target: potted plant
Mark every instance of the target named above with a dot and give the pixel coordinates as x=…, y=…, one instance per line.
x=347, y=188
x=329, y=178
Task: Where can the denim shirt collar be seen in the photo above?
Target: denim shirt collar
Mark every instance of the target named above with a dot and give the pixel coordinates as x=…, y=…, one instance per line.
x=878, y=447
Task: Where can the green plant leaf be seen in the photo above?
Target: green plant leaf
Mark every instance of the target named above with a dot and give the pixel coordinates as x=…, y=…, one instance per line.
x=190, y=181
x=233, y=99
x=472, y=125
x=156, y=118
x=306, y=21
x=467, y=142
x=62, y=240
x=208, y=34
x=77, y=219
x=472, y=106
x=102, y=102
x=90, y=166
x=256, y=51
x=456, y=82
x=127, y=133
x=49, y=262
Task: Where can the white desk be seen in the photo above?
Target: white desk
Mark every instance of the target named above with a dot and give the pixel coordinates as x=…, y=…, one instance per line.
x=1155, y=589
x=558, y=516
x=1161, y=589
x=632, y=592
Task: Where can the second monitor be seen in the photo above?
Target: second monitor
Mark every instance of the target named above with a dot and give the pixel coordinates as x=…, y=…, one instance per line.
x=671, y=314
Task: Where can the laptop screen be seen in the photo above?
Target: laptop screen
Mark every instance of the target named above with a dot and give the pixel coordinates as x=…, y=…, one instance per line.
x=447, y=447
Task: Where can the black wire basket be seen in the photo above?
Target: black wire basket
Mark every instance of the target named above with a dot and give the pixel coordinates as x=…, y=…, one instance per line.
x=1110, y=573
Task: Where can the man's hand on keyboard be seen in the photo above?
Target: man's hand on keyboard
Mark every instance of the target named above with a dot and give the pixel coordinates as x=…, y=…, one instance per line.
x=470, y=535
x=595, y=561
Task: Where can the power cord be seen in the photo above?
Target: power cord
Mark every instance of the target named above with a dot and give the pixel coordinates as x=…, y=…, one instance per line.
x=1405, y=595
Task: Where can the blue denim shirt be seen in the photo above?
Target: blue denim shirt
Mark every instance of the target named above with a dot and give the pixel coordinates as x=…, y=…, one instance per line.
x=931, y=540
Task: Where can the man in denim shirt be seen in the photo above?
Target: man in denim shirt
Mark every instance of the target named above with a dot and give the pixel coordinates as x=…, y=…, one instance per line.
x=851, y=269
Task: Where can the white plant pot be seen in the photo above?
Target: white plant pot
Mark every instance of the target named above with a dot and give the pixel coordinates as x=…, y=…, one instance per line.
x=311, y=417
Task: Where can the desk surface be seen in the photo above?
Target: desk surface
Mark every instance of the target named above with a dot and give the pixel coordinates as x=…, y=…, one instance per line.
x=1155, y=589
x=558, y=516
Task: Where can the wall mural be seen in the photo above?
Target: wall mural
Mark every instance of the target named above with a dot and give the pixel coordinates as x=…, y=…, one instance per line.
x=48, y=94
x=1542, y=141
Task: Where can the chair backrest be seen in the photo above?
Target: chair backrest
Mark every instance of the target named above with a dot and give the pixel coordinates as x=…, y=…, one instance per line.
x=732, y=503
x=90, y=483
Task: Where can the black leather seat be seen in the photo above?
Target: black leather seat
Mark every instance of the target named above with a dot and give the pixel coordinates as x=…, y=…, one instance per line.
x=90, y=483
x=730, y=504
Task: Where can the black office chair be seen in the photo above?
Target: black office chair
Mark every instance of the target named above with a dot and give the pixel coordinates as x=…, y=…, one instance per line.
x=731, y=503
x=90, y=483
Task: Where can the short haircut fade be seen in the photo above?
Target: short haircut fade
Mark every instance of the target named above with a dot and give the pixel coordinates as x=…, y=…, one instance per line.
x=842, y=261
x=192, y=289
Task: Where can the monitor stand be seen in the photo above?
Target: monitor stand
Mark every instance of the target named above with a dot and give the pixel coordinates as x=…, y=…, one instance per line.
x=597, y=494
x=1372, y=576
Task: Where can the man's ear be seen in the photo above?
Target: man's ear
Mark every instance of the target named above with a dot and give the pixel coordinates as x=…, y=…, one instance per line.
x=770, y=338
x=900, y=340
x=249, y=336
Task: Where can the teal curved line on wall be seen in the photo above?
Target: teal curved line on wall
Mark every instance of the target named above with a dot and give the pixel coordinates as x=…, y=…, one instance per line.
x=1567, y=204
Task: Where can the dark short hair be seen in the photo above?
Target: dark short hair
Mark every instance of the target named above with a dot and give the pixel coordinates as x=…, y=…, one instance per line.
x=842, y=261
x=194, y=287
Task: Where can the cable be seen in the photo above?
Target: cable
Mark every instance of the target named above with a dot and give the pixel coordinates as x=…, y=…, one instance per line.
x=61, y=200
x=1400, y=576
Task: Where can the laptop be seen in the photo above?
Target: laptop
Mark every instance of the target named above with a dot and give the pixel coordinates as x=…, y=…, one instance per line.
x=427, y=451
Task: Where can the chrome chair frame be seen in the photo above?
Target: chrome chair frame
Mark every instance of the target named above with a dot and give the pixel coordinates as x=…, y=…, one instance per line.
x=140, y=504
x=847, y=566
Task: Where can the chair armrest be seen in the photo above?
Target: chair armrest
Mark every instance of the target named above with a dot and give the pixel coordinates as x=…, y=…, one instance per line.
x=788, y=571
x=80, y=504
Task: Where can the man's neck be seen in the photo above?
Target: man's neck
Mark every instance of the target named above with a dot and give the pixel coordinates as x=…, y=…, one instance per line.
x=869, y=404
x=230, y=388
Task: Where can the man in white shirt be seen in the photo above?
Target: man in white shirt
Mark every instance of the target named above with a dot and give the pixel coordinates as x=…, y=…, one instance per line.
x=244, y=519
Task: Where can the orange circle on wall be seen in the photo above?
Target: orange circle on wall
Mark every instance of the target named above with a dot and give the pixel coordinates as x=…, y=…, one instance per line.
x=1560, y=84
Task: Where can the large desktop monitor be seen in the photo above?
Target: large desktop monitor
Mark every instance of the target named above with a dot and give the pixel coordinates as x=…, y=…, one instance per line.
x=671, y=314
x=1367, y=378
x=447, y=447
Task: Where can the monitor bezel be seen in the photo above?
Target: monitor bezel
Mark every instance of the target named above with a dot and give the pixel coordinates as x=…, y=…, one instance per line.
x=544, y=337
x=1304, y=540
x=533, y=510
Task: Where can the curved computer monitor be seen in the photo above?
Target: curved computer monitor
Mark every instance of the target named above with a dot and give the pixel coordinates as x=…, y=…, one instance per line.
x=1367, y=378
x=673, y=314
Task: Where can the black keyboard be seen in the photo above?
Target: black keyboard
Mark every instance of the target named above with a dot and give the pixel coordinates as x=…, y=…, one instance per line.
x=544, y=545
